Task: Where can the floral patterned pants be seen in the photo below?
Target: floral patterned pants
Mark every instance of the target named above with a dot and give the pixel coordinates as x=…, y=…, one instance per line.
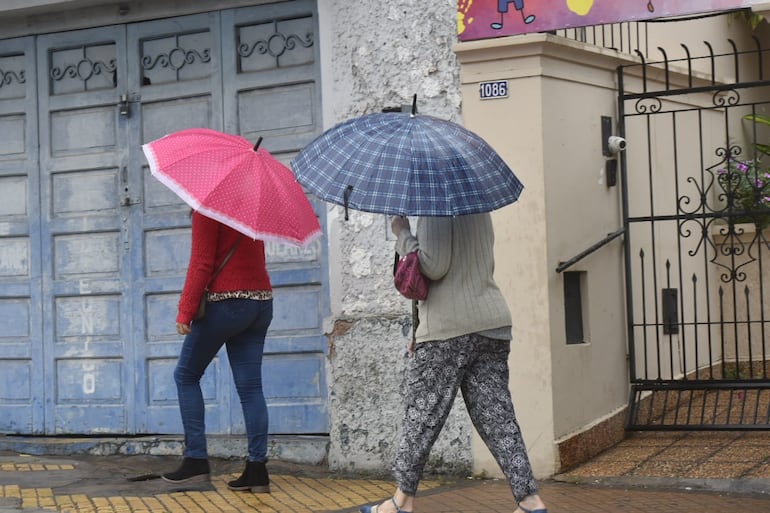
x=479, y=367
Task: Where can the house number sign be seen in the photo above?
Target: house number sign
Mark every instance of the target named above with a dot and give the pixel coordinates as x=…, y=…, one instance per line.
x=494, y=89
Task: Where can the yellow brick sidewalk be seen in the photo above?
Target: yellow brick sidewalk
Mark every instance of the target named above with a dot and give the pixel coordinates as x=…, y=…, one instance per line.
x=289, y=493
x=93, y=484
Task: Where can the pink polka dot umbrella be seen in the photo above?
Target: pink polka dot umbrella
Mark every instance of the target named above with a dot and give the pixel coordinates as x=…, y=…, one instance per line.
x=226, y=178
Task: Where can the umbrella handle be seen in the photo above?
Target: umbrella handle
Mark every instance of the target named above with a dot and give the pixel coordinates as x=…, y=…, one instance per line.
x=346, y=198
x=395, y=263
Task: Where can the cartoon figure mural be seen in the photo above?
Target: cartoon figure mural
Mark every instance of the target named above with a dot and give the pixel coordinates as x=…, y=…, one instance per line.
x=502, y=8
x=481, y=19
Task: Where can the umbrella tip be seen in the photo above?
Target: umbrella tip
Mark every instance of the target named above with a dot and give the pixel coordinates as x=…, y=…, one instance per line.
x=414, y=105
x=259, y=141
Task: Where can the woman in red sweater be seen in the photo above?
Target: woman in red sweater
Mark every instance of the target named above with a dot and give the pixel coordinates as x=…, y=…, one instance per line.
x=238, y=313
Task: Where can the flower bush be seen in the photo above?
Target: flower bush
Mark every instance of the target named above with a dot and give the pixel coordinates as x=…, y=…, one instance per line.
x=746, y=188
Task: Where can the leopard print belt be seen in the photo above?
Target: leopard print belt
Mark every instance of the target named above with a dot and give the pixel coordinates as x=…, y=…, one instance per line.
x=260, y=295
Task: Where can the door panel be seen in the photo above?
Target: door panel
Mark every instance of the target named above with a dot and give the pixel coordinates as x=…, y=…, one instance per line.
x=270, y=56
x=87, y=336
x=176, y=81
x=21, y=389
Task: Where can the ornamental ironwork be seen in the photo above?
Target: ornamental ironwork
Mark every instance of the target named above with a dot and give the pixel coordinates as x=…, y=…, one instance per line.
x=8, y=77
x=275, y=45
x=84, y=69
x=648, y=106
x=726, y=98
x=176, y=59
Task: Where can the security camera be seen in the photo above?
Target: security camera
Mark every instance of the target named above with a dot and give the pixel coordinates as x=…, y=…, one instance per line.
x=616, y=144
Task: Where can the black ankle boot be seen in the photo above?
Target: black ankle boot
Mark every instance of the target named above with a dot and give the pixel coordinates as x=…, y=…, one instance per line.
x=254, y=478
x=191, y=470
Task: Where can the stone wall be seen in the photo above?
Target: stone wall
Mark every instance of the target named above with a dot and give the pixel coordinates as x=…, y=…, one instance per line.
x=378, y=55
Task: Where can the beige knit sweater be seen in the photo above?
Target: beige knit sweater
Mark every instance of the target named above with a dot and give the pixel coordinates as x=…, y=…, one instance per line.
x=457, y=255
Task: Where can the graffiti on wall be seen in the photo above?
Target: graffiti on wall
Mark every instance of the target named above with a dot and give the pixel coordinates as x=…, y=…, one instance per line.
x=482, y=19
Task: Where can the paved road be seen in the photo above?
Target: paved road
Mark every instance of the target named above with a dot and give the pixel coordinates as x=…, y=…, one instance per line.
x=99, y=484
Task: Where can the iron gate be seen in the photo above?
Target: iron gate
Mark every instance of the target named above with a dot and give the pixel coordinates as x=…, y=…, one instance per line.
x=696, y=212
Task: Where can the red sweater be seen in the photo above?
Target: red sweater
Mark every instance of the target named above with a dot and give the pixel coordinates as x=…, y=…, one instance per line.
x=211, y=241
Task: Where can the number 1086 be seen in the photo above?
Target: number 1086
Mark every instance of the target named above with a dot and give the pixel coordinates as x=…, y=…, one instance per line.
x=496, y=89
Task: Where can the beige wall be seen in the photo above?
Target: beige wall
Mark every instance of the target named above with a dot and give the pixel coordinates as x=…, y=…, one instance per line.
x=590, y=379
x=514, y=127
x=548, y=130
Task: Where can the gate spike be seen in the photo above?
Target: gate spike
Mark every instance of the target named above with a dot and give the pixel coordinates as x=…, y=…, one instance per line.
x=644, y=70
x=689, y=65
x=759, y=56
x=713, y=64
x=665, y=64
x=735, y=58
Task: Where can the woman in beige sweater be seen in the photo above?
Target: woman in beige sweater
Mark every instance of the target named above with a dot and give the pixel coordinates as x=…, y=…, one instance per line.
x=462, y=342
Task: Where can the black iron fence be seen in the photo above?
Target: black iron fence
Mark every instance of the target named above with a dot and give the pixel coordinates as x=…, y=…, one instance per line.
x=628, y=37
x=695, y=183
x=634, y=37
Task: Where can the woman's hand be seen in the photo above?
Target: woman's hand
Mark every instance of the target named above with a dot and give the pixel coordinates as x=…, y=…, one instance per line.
x=183, y=329
x=399, y=223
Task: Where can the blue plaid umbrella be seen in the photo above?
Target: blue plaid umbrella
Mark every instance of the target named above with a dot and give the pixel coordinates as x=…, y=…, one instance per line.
x=406, y=164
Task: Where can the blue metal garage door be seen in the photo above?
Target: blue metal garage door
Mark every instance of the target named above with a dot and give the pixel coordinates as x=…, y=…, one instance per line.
x=21, y=319
x=107, y=245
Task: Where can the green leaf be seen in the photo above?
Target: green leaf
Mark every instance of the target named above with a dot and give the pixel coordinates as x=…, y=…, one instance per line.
x=763, y=148
x=757, y=118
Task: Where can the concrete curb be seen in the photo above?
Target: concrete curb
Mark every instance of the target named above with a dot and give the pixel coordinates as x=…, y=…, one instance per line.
x=754, y=487
x=307, y=449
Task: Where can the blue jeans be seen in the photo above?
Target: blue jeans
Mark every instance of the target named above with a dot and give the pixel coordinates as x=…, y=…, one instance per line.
x=242, y=325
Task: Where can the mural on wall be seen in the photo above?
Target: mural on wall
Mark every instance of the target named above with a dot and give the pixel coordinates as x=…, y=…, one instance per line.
x=481, y=19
